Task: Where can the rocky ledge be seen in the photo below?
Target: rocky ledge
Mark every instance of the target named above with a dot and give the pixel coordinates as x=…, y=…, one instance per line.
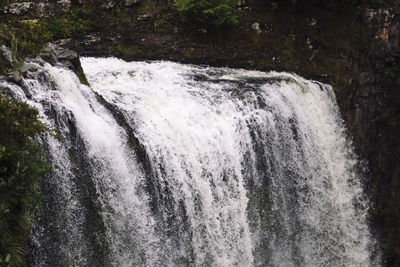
x=354, y=49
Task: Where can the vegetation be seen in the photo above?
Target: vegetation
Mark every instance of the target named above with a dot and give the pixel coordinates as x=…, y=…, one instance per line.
x=28, y=37
x=73, y=25
x=21, y=169
x=209, y=13
x=24, y=39
x=341, y=3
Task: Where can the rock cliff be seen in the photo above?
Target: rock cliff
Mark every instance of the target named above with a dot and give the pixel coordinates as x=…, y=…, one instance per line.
x=353, y=47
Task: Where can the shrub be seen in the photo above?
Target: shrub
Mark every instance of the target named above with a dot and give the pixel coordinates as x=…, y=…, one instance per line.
x=21, y=170
x=73, y=25
x=24, y=39
x=209, y=13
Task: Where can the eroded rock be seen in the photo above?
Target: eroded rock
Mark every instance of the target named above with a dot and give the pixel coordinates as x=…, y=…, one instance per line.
x=129, y=3
x=256, y=26
x=20, y=8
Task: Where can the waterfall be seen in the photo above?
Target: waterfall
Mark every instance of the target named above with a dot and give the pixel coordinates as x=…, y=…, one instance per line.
x=166, y=164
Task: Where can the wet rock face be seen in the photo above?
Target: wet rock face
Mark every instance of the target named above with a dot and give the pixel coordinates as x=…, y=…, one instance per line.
x=376, y=81
x=55, y=54
x=394, y=34
x=373, y=115
x=40, y=9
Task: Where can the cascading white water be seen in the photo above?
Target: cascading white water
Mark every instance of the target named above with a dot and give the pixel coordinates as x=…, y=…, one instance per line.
x=164, y=164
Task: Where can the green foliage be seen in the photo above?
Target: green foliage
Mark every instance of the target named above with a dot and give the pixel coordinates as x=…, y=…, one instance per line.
x=5, y=64
x=21, y=170
x=209, y=13
x=6, y=261
x=82, y=77
x=24, y=39
x=77, y=23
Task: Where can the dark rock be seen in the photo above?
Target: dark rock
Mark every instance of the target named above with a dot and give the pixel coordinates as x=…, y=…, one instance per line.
x=48, y=9
x=364, y=78
x=394, y=35
x=54, y=54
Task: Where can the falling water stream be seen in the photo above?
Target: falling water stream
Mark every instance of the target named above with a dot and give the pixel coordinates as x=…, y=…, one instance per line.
x=165, y=164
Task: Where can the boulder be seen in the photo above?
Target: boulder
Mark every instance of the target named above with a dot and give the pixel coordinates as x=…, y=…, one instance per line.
x=55, y=54
x=47, y=9
x=108, y=4
x=129, y=3
x=256, y=26
x=20, y=8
